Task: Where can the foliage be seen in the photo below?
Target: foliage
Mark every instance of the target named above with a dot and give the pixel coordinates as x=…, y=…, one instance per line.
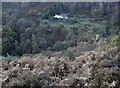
x=9, y=58
x=105, y=48
x=60, y=46
x=29, y=81
x=48, y=53
x=8, y=38
x=56, y=9
x=93, y=57
x=116, y=41
x=107, y=30
x=71, y=56
x=97, y=13
x=36, y=48
x=26, y=26
x=45, y=16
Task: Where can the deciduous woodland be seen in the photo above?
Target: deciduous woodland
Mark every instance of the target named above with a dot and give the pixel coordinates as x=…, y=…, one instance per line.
x=60, y=44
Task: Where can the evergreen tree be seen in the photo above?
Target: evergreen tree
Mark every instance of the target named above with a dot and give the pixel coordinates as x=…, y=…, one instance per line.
x=36, y=48
x=107, y=30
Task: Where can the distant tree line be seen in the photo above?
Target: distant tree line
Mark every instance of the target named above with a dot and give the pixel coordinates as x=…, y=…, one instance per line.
x=23, y=32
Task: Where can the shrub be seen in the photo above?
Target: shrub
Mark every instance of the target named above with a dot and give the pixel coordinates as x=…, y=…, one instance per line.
x=113, y=51
x=45, y=16
x=29, y=81
x=59, y=29
x=60, y=45
x=119, y=36
x=105, y=48
x=45, y=22
x=85, y=46
x=48, y=53
x=70, y=36
x=86, y=43
x=8, y=58
x=71, y=56
x=43, y=43
x=116, y=41
x=93, y=57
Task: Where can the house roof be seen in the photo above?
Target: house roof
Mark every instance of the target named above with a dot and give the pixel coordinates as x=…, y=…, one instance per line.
x=63, y=15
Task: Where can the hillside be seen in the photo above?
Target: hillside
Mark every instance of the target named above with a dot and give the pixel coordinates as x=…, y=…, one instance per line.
x=94, y=68
x=39, y=50
x=27, y=26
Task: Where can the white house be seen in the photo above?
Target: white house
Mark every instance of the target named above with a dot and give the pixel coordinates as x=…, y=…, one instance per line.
x=60, y=16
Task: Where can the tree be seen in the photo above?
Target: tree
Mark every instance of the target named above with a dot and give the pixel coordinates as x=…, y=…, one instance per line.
x=119, y=36
x=107, y=30
x=8, y=38
x=28, y=32
x=16, y=43
x=8, y=32
x=18, y=50
x=43, y=44
x=97, y=13
x=36, y=48
x=26, y=46
x=45, y=16
x=56, y=9
x=59, y=29
x=71, y=56
x=101, y=6
x=34, y=39
x=75, y=30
